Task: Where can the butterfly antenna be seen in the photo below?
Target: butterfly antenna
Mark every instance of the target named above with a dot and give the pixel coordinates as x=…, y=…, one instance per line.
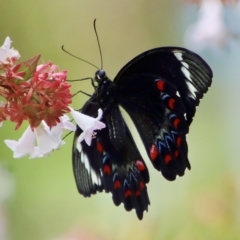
x=100, y=51
x=78, y=57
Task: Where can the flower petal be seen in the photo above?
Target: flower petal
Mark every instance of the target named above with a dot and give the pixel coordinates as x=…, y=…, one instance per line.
x=7, y=54
x=87, y=124
x=46, y=143
x=7, y=43
x=24, y=145
x=87, y=136
x=65, y=120
x=57, y=130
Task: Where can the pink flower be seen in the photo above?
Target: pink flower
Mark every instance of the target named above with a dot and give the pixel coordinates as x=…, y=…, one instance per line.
x=48, y=96
x=87, y=124
x=7, y=54
x=2, y=113
x=34, y=94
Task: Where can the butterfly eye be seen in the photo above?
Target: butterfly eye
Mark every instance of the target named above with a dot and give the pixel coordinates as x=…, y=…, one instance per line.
x=101, y=74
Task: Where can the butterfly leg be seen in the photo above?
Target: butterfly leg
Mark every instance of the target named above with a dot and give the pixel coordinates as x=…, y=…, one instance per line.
x=89, y=95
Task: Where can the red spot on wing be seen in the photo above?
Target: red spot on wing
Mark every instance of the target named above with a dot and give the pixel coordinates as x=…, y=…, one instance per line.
x=127, y=193
x=106, y=169
x=142, y=185
x=153, y=152
x=160, y=85
x=137, y=193
x=99, y=147
x=176, y=153
x=176, y=122
x=167, y=158
x=171, y=103
x=117, y=184
x=140, y=165
x=179, y=140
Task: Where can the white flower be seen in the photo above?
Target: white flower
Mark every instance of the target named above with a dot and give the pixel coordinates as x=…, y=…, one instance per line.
x=51, y=139
x=57, y=130
x=210, y=30
x=7, y=54
x=46, y=142
x=48, y=139
x=24, y=146
x=87, y=124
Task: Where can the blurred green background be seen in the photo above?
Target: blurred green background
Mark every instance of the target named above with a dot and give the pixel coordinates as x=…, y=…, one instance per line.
x=45, y=204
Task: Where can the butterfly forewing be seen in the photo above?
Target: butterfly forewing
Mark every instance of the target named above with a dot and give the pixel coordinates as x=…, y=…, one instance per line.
x=187, y=71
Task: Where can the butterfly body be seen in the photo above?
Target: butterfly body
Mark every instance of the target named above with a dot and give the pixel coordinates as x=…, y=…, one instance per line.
x=159, y=90
x=106, y=92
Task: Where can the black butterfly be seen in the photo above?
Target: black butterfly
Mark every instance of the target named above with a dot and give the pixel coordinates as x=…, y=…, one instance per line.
x=159, y=89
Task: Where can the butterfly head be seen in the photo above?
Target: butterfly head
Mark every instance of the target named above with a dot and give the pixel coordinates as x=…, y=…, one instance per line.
x=100, y=75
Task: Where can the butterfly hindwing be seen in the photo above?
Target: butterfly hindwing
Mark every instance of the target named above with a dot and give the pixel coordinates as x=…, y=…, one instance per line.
x=86, y=159
x=126, y=174
x=112, y=163
x=85, y=167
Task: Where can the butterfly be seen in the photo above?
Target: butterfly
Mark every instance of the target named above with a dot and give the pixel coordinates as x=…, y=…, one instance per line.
x=159, y=90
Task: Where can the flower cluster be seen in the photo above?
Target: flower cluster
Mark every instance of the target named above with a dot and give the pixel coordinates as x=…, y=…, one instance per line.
x=33, y=93
x=40, y=95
